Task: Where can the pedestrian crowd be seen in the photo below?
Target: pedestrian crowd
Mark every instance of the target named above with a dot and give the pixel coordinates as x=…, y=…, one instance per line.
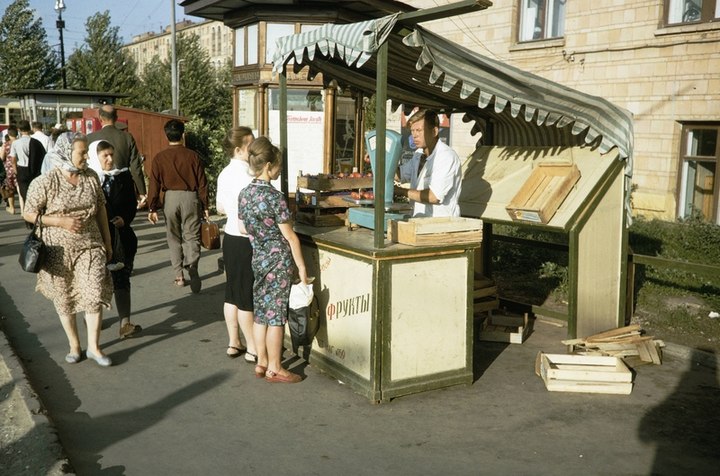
x=83, y=193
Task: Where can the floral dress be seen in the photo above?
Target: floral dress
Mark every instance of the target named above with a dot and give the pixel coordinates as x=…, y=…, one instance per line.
x=74, y=275
x=262, y=208
x=10, y=178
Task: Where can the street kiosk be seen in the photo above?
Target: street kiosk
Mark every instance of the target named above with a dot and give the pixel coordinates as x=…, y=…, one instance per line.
x=397, y=318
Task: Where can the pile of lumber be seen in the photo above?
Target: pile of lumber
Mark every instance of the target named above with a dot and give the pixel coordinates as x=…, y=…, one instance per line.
x=625, y=342
x=485, y=296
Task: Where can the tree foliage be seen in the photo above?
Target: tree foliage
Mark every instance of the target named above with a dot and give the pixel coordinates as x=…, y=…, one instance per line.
x=204, y=91
x=26, y=59
x=101, y=64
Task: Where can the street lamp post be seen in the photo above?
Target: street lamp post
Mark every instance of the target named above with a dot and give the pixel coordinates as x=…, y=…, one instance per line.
x=177, y=84
x=59, y=7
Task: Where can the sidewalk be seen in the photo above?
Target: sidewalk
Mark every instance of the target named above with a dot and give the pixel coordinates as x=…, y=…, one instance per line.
x=174, y=404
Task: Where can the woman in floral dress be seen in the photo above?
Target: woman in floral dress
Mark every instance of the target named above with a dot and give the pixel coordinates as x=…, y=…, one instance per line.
x=75, y=230
x=277, y=255
x=10, y=183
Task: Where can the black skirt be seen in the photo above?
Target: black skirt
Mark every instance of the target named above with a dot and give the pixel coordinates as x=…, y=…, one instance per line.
x=237, y=259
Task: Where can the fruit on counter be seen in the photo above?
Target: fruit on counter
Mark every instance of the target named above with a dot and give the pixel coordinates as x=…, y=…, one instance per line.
x=369, y=174
x=369, y=195
x=355, y=195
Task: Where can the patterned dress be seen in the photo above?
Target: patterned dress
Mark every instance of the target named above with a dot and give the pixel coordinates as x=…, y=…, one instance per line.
x=262, y=208
x=10, y=179
x=74, y=275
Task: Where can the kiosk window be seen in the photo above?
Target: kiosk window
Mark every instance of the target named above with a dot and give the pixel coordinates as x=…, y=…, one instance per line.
x=699, y=187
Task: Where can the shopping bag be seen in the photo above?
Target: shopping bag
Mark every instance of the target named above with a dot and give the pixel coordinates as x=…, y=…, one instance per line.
x=303, y=315
x=210, y=235
x=33, y=252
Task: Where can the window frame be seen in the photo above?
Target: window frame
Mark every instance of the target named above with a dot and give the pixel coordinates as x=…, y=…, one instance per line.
x=684, y=158
x=709, y=12
x=546, y=31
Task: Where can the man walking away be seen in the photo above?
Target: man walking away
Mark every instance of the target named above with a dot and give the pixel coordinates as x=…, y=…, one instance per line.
x=40, y=135
x=178, y=172
x=27, y=156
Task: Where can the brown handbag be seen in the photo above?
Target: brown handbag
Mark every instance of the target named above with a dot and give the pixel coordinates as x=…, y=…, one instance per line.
x=210, y=235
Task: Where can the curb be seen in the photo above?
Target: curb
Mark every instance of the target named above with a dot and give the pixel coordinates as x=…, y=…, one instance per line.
x=696, y=356
x=42, y=433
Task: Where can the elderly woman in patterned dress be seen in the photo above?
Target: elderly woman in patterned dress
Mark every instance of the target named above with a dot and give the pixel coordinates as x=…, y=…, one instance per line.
x=276, y=256
x=74, y=222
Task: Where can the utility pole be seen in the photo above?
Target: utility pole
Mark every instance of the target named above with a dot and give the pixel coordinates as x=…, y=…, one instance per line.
x=173, y=59
x=59, y=7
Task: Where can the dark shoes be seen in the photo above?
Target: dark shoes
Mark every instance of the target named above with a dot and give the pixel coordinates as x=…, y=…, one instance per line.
x=195, y=283
x=129, y=330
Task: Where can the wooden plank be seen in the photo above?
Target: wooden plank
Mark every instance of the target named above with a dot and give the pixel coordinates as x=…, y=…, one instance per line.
x=613, y=388
x=486, y=305
x=613, y=333
x=484, y=292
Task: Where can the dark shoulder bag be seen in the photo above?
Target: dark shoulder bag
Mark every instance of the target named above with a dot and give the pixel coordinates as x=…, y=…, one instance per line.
x=32, y=255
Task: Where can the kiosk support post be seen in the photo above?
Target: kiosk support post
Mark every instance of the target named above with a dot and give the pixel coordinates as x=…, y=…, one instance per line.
x=380, y=119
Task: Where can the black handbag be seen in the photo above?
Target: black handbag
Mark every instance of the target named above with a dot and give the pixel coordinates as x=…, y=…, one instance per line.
x=33, y=252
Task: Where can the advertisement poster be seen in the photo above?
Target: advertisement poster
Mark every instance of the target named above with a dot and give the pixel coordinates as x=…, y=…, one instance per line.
x=305, y=131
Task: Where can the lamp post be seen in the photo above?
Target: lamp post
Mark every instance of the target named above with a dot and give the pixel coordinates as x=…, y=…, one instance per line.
x=59, y=7
x=177, y=83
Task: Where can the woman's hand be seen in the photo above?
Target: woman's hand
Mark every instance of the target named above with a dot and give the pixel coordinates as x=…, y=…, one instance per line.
x=108, y=253
x=71, y=224
x=118, y=222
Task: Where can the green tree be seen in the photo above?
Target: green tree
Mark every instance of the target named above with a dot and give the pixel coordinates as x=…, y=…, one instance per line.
x=26, y=59
x=101, y=64
x=204, y=91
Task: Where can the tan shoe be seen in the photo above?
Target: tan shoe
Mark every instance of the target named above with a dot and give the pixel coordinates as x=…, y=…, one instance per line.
x=129, y=330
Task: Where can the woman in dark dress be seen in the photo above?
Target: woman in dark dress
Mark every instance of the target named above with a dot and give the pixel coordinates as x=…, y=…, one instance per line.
x=264, y=213
x=121, y=206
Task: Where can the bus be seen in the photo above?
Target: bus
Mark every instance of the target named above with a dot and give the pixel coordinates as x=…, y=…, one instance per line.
x=10, y=112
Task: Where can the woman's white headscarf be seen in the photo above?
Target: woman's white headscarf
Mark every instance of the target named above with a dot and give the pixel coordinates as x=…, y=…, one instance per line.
x=61, y=153
x=94, y=162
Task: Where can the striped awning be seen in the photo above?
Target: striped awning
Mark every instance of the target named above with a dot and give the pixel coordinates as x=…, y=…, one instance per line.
x=508, y=105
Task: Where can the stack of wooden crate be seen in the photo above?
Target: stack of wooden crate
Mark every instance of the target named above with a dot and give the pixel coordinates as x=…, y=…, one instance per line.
x=627, y=342
x=485, y=296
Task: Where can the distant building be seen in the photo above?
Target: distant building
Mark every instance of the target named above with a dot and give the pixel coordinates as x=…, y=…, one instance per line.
x=215, y=38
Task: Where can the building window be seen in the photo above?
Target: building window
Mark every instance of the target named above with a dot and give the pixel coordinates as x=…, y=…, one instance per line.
x=276, y=31
x=699, y=158
x=252, y=44
x=541, y=19
x=240, y=47
x=691, y=11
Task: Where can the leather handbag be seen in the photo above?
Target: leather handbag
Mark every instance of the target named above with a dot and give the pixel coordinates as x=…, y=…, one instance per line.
x=210, y=235
x=33, y=252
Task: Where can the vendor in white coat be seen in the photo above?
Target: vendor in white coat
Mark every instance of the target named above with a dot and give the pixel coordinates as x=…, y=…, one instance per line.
x=434, y=172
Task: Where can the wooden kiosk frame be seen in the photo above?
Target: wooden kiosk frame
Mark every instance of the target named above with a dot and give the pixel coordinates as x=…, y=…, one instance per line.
x=511, y=108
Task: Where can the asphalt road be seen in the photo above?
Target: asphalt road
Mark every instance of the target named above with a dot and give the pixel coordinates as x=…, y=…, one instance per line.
x=172, y=403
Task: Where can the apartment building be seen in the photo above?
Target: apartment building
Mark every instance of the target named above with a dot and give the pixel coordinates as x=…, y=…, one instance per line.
x=660, y=59
x=215, y=38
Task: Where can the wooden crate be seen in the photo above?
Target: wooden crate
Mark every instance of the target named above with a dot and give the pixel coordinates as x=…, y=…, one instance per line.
x=324, y=183
x=313, y=218
x=435, y=230
x=543, y=192
x=584, y=373
x=498, y=328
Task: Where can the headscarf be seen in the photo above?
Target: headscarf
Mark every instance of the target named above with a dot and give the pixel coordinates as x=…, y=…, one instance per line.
x=61, y=153
x=94, y=162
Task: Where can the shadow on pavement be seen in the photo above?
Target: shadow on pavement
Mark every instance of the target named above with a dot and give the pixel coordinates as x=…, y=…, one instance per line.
x=686, y=427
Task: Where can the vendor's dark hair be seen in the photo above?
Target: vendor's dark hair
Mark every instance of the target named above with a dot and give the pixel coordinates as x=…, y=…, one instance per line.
x=236, y=137
x=262, y=152
x=430, y=117
x=12, y=131
x=104, y=145
x=174, y=130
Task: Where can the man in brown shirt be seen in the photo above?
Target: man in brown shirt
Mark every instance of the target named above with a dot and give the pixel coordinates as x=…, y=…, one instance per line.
x=178, y=172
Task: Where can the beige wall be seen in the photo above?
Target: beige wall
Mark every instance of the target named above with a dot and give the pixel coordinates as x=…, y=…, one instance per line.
x=615, y=49
x=215, y=38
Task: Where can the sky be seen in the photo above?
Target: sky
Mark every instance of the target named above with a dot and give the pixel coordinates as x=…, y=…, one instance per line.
x=133, y=17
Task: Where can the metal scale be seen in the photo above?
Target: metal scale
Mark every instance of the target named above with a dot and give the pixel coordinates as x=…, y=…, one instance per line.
x=365, y=214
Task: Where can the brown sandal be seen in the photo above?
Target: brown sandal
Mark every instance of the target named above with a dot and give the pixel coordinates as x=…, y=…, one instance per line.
x=260, y=371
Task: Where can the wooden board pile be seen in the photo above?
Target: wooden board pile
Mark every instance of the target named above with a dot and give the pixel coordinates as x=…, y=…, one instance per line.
x=485, y=296
x=626, y=342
